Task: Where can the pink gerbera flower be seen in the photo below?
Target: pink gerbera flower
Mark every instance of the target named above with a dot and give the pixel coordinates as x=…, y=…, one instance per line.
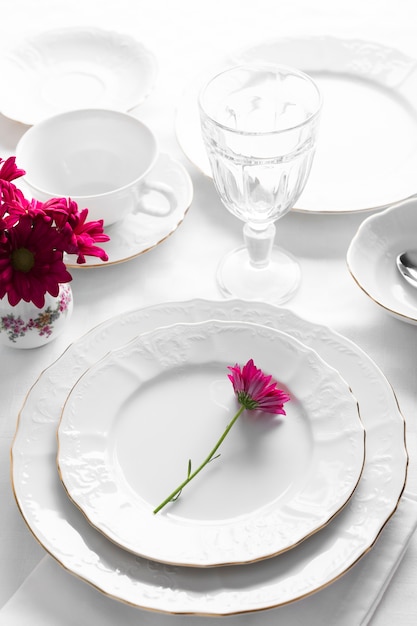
x=9, y=170
x=31, y=260
x=255, y=390
x=62, y=210
x=86, y=235
x=80, y=235
x=35, y=235
x=16, y=205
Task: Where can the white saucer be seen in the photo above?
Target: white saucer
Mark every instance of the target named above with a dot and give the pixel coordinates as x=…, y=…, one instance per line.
x=139, y=232
x=74, y=68
x=372, y=254
x=363, y=160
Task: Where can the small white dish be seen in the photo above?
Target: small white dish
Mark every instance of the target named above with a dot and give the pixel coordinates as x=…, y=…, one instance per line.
x=133, y=421
x=75, y=68
x=371, y=259
x=366, y=154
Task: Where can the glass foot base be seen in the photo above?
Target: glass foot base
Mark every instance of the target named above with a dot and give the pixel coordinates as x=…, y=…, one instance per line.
x=275, y=283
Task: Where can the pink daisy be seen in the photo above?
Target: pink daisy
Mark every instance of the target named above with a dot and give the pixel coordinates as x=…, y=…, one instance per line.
x=256, y=390
x=9, y=170
x=31, y=260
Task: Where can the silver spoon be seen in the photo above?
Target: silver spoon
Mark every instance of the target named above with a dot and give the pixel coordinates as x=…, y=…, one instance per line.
x=407, y=264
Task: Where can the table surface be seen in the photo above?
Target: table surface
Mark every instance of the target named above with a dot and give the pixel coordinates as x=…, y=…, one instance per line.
x=186, y=35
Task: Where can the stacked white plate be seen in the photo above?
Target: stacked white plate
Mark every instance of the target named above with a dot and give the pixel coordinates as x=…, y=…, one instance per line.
x=291, y=504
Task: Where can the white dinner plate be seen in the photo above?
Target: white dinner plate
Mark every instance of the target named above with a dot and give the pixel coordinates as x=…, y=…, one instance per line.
x=75, y=68
x=133, y=420
x=65, y=533
x=366, y=153
x=371, y=259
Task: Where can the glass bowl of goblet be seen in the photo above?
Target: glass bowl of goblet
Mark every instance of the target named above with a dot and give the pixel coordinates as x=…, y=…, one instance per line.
x=259, y=125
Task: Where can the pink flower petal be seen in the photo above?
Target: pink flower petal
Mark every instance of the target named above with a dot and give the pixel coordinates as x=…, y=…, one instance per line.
x=256, y=390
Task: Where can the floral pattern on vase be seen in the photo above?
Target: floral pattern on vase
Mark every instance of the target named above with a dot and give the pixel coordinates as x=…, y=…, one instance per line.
x=27, y=326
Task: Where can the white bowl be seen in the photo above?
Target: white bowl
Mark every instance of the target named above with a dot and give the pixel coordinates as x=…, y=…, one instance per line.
x=371, y=259
x=97, y=157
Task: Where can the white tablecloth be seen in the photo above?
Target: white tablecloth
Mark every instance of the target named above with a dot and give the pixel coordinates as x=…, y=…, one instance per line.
x=185, y=35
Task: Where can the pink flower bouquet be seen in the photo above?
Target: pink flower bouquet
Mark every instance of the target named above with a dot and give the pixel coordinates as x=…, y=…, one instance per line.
x=34, y=237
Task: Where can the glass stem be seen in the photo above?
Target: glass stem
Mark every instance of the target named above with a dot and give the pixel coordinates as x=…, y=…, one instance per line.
x=259, y=244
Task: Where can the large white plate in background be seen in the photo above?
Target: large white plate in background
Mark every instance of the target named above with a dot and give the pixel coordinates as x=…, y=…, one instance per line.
x=366, y=155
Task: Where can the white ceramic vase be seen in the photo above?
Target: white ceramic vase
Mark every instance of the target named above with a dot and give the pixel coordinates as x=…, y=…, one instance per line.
x=27, y=326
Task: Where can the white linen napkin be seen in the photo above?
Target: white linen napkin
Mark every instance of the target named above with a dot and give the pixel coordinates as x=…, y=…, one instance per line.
x=50, y=596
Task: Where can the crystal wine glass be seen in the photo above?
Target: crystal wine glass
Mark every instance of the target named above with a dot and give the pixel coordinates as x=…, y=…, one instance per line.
x=259, y=126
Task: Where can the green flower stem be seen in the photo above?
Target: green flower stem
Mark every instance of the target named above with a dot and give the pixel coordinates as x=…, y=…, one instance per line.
x=203, y=464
